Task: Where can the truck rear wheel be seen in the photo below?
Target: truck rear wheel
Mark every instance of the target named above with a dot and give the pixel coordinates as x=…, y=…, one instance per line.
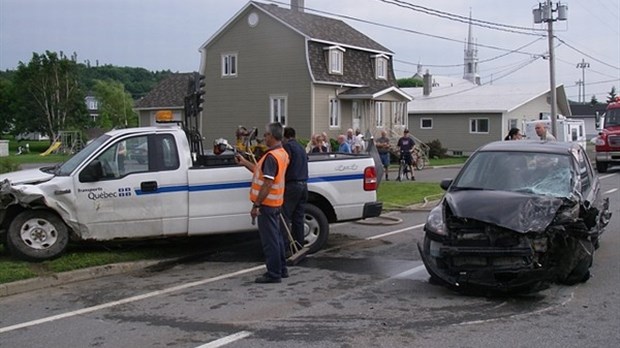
x=316, y=228
x=601, y=167
x=37, y=235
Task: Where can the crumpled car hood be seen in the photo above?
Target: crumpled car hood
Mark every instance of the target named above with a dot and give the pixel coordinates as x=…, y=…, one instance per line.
x=515, y=211
x=27, y=176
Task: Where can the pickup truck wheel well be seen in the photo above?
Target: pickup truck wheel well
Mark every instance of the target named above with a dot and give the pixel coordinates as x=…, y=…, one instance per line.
x=323, y=204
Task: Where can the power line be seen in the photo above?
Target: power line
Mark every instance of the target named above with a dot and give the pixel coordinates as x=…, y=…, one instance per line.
x=517, y=50
x=587, y=55
x=463, y=19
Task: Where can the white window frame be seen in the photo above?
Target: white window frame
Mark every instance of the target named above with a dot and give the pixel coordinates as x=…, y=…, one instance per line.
x=381, y=62
x=426, y=119
x=335, y=60
x=228, y=69
x=474, y=125
x=334, y=113
x=379, y=113
x=278, y=108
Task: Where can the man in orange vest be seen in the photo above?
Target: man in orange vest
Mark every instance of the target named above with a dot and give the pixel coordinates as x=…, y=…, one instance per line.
x=267, y=196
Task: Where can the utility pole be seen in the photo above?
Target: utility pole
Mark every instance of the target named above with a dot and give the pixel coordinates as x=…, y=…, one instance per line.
x=583, y=65
x=579, y=83
x=544, y=13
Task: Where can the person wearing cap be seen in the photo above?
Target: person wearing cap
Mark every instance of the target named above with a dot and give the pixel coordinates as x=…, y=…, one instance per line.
x=405, y=145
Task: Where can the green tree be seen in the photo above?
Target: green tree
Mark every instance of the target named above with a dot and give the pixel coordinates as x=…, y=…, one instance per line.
x=48, y=96
x=115, y=105
x=611, y=97
x=409, y=82
x=6, y=105
x=593, y=101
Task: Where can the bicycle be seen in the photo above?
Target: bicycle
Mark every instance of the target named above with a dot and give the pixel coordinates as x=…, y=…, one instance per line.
x=405, y=169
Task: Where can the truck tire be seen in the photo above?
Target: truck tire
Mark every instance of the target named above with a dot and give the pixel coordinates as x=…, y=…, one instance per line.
x=37, y=235
x=316, y=228
x=601, y=167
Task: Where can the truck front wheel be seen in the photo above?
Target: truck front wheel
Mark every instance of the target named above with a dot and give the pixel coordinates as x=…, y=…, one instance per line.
x=601, y=167
x=316, y=228
x=37, y=235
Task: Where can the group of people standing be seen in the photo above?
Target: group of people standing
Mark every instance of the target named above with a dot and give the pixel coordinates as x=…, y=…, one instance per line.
x=539, y=127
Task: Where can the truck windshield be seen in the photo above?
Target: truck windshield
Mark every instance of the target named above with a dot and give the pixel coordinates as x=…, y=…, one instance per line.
x=612, y=117
x=69, y=166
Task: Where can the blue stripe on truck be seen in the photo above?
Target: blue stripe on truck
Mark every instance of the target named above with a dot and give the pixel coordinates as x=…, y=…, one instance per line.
x=237, y=185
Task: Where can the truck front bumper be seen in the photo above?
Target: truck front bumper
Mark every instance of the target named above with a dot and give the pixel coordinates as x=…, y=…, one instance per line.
x=372, y=209
x=610, y=156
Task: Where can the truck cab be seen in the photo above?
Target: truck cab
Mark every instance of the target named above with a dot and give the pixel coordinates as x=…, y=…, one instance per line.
x=607, y=144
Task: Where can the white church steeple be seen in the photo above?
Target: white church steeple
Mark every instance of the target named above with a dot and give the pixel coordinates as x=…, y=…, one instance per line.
x=470, y=71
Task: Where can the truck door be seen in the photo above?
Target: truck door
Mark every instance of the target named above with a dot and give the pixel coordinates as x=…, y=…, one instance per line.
x=123, y=202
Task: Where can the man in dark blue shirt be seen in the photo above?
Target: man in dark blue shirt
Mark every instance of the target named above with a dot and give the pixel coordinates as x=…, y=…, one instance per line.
x=296, y=188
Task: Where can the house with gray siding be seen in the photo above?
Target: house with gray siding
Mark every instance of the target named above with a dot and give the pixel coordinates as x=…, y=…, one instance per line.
x=464, y=116
x=316, y=74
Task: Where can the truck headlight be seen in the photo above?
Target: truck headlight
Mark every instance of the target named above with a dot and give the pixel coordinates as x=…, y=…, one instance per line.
x=598, y=141
x=435, y=222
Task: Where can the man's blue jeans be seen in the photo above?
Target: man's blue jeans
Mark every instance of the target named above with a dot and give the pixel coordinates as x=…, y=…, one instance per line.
x=272, y=240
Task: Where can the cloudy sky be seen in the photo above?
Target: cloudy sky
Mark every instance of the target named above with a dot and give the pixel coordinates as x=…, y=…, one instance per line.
x=166, y=34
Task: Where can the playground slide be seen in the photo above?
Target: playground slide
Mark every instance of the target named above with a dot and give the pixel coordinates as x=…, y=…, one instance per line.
x=51, y=149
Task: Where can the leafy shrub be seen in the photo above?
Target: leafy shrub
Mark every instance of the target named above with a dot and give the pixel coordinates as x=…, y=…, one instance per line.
x=435, y=149
x=6, y=165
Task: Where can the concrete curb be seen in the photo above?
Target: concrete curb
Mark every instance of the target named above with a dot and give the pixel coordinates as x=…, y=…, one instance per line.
x=56, y=279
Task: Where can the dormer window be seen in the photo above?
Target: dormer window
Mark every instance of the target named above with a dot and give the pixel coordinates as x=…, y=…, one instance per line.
x=335, y=59
x=381, y=62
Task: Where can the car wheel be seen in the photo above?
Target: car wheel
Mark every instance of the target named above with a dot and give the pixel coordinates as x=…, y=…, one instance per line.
x=316, y=228
x=581, y=271
x=37, y=235
x=601, y=167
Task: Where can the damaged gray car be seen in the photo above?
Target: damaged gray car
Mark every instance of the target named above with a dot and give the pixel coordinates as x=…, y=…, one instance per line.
x=519, y=216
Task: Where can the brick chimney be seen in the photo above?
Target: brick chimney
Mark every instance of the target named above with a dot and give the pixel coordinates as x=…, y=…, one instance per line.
x=298, y=5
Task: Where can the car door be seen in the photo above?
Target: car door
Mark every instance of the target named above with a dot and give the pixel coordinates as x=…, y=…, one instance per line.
x=122, y=203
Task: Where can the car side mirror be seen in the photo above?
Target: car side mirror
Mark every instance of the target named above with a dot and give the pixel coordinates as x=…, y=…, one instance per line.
x=445, y=183
x=93, y=172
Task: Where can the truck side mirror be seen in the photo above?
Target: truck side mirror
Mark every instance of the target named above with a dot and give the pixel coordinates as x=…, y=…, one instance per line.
x=93, y=172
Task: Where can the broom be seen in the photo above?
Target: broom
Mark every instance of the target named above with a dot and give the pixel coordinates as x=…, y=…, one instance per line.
x=298, y=252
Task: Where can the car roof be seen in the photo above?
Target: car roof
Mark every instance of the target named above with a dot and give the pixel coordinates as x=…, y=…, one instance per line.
x=557, y=147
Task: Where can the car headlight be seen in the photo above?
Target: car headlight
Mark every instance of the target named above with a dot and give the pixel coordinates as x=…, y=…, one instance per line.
x=435, y=223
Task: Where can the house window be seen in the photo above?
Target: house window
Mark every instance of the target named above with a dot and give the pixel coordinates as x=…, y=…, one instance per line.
x=479, y=125
x=379, y=111
x=380, y=67
x=229, y=64
x=426, y=123
x=335, y=60
x=400, y=114
x=278, y=109
x=334, y=113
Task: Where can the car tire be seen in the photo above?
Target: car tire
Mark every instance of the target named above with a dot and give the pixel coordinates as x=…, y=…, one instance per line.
x=37, y=235
x=601, y=167
x=581, y=271
x=316, y=228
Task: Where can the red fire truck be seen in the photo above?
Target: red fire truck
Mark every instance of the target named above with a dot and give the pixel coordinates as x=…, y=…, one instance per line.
x=608, y=140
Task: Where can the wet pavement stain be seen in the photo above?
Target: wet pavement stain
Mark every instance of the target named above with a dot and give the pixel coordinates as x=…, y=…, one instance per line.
x=373, y=266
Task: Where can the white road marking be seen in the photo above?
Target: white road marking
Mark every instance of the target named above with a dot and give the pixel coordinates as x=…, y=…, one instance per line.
x=606, y=176
x=610, y=191
x=395, y=232
x=127, y=300
x=226, y=340
x=410, y=272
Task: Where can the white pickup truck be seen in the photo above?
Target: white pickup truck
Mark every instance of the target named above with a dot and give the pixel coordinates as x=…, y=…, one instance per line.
x=147, y=183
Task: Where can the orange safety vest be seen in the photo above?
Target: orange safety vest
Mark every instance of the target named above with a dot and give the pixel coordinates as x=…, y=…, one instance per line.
x=275, y=198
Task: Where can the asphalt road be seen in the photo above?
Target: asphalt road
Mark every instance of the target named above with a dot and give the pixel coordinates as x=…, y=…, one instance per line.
x=368, y=288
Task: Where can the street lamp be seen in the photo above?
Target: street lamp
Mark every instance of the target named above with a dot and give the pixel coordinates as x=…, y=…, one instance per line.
x=544, y=13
